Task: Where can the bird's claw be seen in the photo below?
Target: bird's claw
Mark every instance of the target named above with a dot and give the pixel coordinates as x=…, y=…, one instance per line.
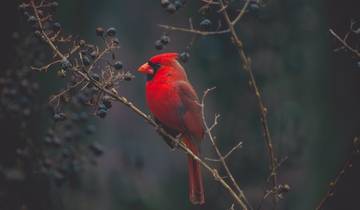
x=177, y=142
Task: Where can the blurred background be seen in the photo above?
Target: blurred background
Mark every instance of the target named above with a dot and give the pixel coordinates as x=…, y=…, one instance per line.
x=311, y=93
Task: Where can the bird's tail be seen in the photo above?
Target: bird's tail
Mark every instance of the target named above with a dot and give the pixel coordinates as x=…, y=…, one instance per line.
x=196, y=188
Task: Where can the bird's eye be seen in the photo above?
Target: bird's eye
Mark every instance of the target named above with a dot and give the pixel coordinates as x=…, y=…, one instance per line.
x=154, y=66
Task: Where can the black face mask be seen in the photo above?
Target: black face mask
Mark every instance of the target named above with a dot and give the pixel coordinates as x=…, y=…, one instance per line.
x=155, y=67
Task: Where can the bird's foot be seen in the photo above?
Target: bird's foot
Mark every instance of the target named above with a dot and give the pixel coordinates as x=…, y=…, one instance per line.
x=177, y=142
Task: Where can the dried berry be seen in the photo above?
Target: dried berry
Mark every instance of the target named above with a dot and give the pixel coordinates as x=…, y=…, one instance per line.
x=53, y=5
x=107, y=102
x=96, y=148
x=58, y=117
x=101, y=112
x=118, y=65
x=254, y=7
x=56, y=26
x=99, y=31
x=23, y=7
x=184, y=56
x=165, y=39
x=86, y=60
x=128, y=76
x=164, y=3
x=38, y=34
x=111, y=32
x=65, y=64
x=206, y=23
x=95, y=77
x=171, y=8
x=178, y=4
x=32, y=20
x=159, y=45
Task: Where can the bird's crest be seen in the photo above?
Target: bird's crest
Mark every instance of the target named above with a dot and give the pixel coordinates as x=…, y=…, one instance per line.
x=164, y=58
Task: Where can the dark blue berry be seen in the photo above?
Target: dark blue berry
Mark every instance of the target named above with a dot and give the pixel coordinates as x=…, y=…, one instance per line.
x=57, y=26
x=86, y=60
x=107, y=103
x=65, y=64
x=164, y=3
x=165, y=39
x=171, y=8
x=32, y=20
x=95, y=77
x=206, y=23
x=111, y=32
x=54, y=5
x=96, y=148
x=101, y=112
x=159, y=45
x=59, y=117
x=178, y=4
x=254, y=7
x=118, y=65
x=184, y=56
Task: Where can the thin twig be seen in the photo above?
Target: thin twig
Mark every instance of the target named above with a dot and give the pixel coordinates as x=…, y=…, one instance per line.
x=59, y=95
x=344, y=43
x=267, y=192
x=333, y=184
x=194, y=31
x=242, y=12
x=46, y=67
x=216, y=148
x=237, y=146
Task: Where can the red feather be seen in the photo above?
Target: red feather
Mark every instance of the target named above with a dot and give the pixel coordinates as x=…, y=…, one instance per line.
x=174, y=102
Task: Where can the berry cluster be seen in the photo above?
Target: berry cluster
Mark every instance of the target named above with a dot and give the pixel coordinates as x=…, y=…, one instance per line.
x=83, y=68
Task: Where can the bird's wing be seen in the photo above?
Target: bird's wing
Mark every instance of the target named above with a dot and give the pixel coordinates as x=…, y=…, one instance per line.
x=190, y=111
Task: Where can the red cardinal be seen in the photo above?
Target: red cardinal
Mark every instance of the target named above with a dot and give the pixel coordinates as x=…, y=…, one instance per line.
x=175, y=105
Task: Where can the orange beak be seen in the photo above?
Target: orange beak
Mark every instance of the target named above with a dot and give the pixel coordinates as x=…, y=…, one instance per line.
x=145, y=69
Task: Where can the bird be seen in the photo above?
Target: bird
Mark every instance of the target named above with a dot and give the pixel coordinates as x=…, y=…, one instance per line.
x=175, y=106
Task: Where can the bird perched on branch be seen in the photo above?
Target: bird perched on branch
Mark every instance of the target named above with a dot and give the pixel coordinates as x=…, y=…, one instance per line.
x=175, y=105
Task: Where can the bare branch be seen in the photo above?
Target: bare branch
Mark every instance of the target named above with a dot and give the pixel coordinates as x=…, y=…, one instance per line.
x=239, y=145
x=242, y=12
x=219, y=154
x=246, y=64
x=345, y=44
x=194, y=31
x=348, y=164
